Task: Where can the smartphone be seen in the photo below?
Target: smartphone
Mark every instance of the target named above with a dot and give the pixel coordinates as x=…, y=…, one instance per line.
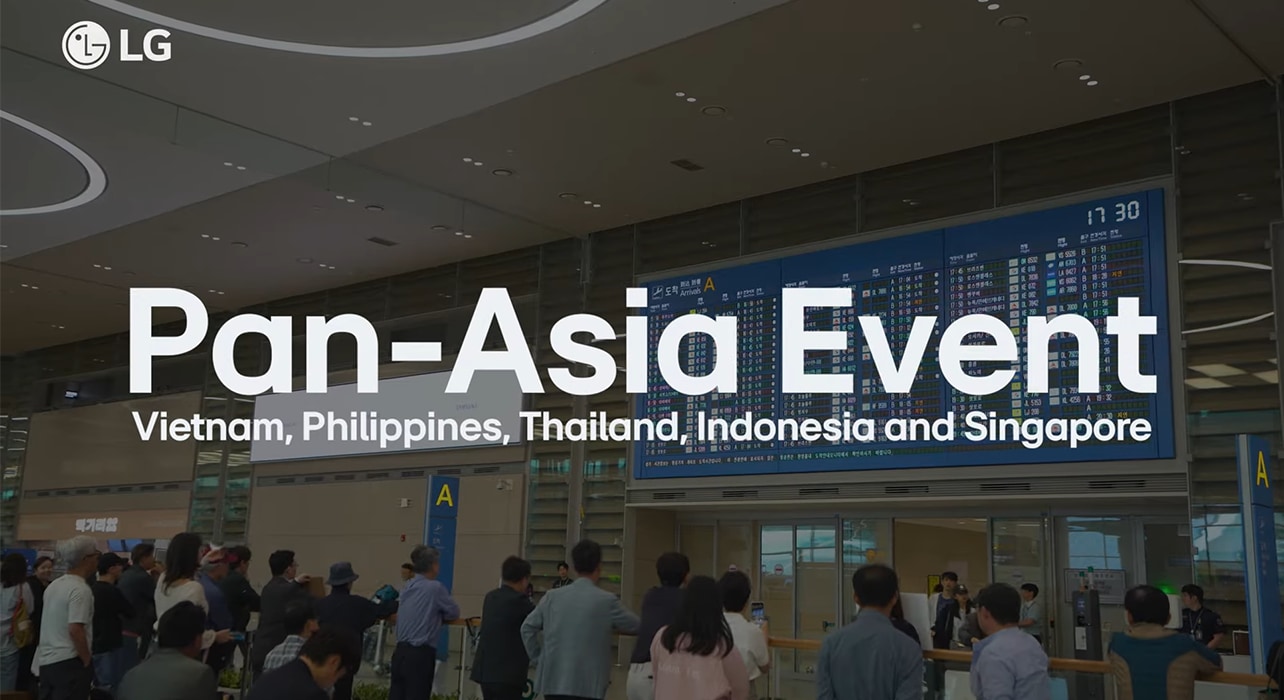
x=757, y=613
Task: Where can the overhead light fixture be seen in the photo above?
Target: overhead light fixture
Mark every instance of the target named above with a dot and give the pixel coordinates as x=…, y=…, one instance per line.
x=29, y=286
x=240, y=244
x=1067, y=65
x=459, y=233
x=1092, y=83
x=374, y=207
x=96, y=179
x=468, y=160
x=339, y=197
x=439, y=227
x=588, y=201
x=367, y=123
x=58, y=326
x=805, y=155
x=597, y=206
x=992, y=6
x=354, y=119
x=568, y=195
x=777, y=141
x=713, y=111
x=215, y=291
x=501, y=172
x=468, y=235
x=1013, y=22
x=103, y=267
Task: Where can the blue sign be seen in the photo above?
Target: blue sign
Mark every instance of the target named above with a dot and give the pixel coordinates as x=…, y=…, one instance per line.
x=1072, y=259
x=440, y=527
x=1256, y=463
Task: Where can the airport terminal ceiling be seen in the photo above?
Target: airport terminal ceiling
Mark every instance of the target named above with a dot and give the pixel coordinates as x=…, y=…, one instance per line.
x=322, y=168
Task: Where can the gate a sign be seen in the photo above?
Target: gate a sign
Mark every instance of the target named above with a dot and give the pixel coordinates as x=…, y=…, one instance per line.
x=440, y=521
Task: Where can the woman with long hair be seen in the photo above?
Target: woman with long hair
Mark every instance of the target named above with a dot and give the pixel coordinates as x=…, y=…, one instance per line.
x=178, y=583
x=42, y=569
x=695, y=658
x=16, y=605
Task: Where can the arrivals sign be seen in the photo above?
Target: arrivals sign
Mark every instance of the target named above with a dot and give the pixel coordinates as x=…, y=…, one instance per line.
x=1256, y=467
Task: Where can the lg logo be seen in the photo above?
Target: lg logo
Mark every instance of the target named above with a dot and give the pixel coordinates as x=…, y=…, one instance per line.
x=86, y=45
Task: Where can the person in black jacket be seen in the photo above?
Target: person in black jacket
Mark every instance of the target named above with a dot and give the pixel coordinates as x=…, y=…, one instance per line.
x=501, y=665
x=110, y=608
x=329, y=654
x=138, y=584
x=242, y=599
x=351, y=612
x=951, y=619
x=285, y=587
x=900, y=623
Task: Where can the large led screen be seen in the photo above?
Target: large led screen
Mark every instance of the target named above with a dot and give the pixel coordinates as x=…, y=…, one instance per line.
x=1070, y=259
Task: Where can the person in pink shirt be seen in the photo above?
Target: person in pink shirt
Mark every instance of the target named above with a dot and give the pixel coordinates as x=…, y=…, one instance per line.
x=695, y=658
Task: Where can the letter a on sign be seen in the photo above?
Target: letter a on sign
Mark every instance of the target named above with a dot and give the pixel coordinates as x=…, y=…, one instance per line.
x=1263, y=479
x=708, y=284
x=444, y=496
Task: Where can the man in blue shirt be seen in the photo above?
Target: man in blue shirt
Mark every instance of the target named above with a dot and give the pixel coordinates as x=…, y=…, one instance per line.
x=1008, y=664
x=425, y=605
x=870, y=659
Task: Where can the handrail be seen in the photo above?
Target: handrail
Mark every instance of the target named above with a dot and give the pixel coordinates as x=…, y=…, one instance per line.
x=1056, y=664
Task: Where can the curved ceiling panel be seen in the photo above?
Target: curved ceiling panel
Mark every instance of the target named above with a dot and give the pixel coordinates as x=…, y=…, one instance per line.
x=442, y=47
x=96, y=182
x=35, y=172
x=371, y=23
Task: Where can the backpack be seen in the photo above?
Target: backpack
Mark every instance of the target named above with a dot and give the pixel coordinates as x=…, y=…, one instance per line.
x=20, y=624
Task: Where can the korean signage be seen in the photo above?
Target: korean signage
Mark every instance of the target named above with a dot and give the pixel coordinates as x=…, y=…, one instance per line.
x=1110, y=584
x=97, y=524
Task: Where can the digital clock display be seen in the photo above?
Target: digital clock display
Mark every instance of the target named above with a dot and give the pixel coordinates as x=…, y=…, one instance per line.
x=1071, y=259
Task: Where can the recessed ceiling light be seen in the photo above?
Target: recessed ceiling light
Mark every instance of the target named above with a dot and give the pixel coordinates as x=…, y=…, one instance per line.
x=1085, y=76
x=459, y=233
x=568, y=195
x=205, y=235
x=322, y=264
x=501, y=172
x=215, y=238
x=468, y=235
x=478, y=163
x=228, y=163
x=97, y=265
x=1091, y=83
x=240, y=167
x=349, y=200
x=468, y=160
x=59, y=327
x=330, y=267
x=916, y=26
x=339, y=197
x=805, y=155
x=597, y=206
x=374, y=207
x=367, y=123
x=713, y=111
x=588, y=201
x=305, y=261
x=691, y=99
x=679, y=94
x=795, y=150
x=30, y=286
x=439, y=227
x=777, y=141
x=992, y=6
x=354, y=119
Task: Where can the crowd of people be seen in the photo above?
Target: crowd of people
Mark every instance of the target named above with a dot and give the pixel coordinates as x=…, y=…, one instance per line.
x=143, y=629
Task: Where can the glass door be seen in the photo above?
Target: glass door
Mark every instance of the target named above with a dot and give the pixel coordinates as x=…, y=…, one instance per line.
x=816, y=569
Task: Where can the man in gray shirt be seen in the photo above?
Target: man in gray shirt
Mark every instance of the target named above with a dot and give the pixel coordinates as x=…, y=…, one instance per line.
x=1008, y=664
x=870, y=659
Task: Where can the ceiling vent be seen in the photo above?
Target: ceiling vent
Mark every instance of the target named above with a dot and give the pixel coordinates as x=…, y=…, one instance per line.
x=1011, y=486
x=740, y=493
x=1117, y=485
x=818, y=492
x=668, y=495
x=689, y=166
x=382, y=241
x=903, y=490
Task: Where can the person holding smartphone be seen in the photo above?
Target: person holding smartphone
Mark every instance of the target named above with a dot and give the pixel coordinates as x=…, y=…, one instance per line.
x=750, y=637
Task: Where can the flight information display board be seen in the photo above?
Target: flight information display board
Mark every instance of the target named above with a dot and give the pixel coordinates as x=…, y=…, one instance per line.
x=1075, y=259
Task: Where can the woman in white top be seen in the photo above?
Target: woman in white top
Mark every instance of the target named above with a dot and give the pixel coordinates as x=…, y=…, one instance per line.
x=15, y=594
x=178, y=583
